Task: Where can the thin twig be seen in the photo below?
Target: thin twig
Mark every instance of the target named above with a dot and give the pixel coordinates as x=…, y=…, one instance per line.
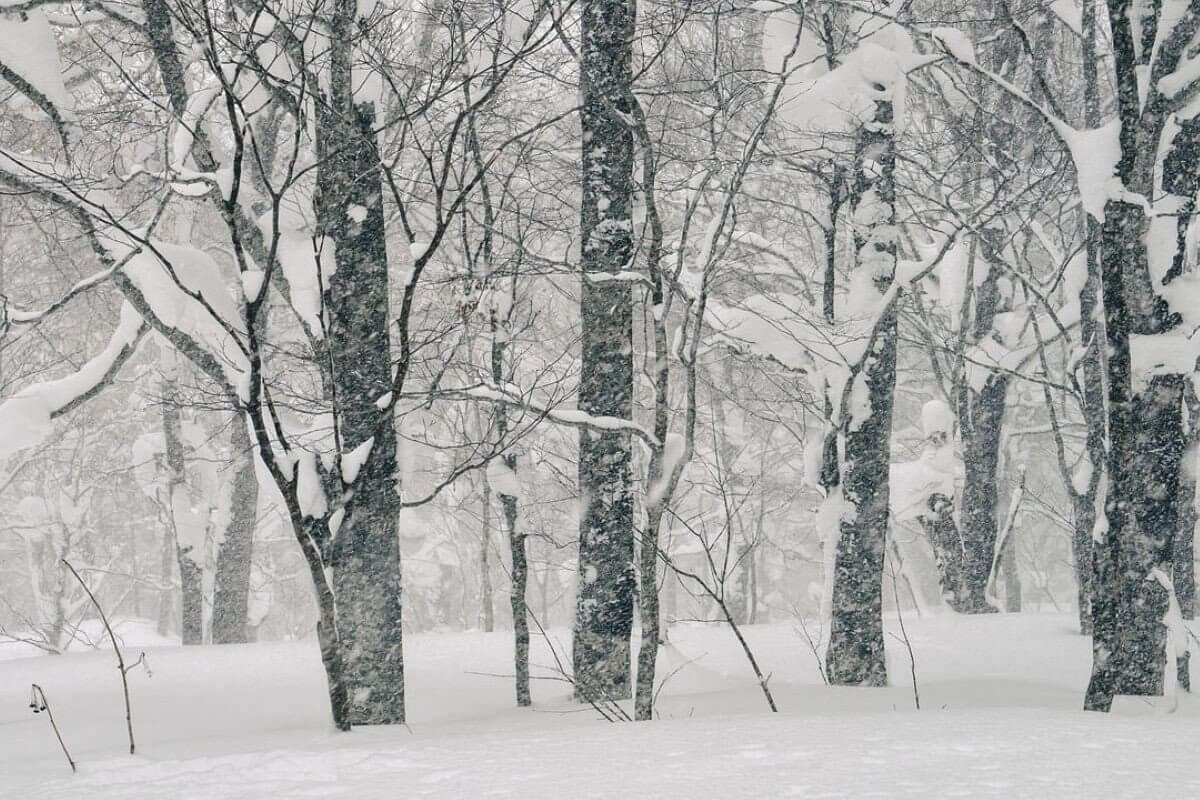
x=38, y=703
x=812, y=645
x=116, y=649
x=912, y=661
x=605, y=706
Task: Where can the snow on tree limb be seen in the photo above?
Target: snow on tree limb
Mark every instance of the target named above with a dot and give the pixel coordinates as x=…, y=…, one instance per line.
x=29, y=62
x=25, y=417
x=563, y=416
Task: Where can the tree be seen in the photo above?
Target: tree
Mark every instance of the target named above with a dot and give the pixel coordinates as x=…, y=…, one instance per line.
x=604, y=610
x=864, y=427
x=1145, y=409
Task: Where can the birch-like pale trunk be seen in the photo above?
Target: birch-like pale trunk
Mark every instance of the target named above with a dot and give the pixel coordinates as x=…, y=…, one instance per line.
x=179, y=511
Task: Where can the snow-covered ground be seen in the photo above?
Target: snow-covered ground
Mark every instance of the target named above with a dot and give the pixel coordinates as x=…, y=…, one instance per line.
x=1000, y=699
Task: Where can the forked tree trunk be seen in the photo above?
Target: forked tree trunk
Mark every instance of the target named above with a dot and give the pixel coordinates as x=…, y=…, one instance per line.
x=606, y=585
x=1145, y=413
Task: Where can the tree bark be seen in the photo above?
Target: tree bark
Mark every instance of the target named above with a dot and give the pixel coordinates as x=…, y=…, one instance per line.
x=605, y=597
x=1081, y=550
x=1146, y=445
x=856, y=647
x=487, y=613
x=1145, y=413
x=518, y=593
x=365, y=551
x=231, y=586
x=520, y=611
x=179, y=505
x=947, y=545
x=1183, y=555
x=981, y=458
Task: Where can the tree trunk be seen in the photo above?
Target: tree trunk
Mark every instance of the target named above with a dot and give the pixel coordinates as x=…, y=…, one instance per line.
x=947, y=545
x=179, y=506
x=1183, y=555
x=1010, y=574
x=1146, y=445
x=1081, y=552
x=1145, y=413
x=856, y=647
x=366, y=550
x=650, y=615
x=605, y=597
x=166, y=569
x=1093, y=366
x=520, y=612
x=981, y=457
x=231, y=588
x=487, y=613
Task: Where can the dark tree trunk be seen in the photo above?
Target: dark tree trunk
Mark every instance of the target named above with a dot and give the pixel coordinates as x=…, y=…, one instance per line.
x=1146, y=445
x=856, y=646
x=518, y=593
x=520, y=612
x=947, y=545
x=1145, y=414
x=605, y=597
x=1159, y=445
x=981, y=431
x=1085, y=499
x=365, y=552
x=1081, y=551
x=231, y=588
x=1183, y=555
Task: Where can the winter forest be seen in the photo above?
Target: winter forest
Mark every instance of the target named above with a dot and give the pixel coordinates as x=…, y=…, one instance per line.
x=539, y=398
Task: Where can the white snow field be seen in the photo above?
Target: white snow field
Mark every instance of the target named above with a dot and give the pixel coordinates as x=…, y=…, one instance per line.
x=1000, y=699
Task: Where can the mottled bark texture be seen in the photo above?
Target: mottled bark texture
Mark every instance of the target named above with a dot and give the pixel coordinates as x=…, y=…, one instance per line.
x=980, y=421
x=1084, y=499
x=179, y=505
x=1084, y=507
x=365, y=553
x=231, y=585
x=1145, y=414
x=605, y=597
x=1184, y=550
x=856, y=647
x=947, y=544
x=519, y=572
x=517, y=596
x=981, y=429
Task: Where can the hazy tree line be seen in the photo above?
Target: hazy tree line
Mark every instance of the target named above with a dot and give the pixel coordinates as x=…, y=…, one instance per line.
x=602, y=314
